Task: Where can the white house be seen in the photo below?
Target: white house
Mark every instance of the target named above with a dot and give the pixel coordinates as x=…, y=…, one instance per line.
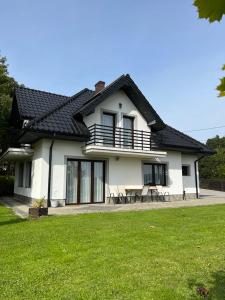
x=80, y=149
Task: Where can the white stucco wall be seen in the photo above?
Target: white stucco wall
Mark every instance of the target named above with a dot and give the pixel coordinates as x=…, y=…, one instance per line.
x=189, y=181
x=111, y=104
x=39, y=173
x=127, y=172
x=123, y=172
x=120, y=173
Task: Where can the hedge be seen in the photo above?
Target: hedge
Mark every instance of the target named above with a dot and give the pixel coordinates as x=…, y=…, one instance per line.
x=6, y=185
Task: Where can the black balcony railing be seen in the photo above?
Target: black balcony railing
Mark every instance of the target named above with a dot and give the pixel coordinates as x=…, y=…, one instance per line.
x=118, y=137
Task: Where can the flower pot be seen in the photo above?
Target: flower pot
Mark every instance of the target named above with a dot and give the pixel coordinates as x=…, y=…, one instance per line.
x=35, y=213
x=54, y=203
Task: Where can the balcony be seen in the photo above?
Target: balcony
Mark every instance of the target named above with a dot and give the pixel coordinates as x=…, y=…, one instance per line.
x=117, y=141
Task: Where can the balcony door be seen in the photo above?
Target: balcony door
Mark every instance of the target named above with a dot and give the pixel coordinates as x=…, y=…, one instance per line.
x=85, y=181
x=109, y=122
x=128, y=135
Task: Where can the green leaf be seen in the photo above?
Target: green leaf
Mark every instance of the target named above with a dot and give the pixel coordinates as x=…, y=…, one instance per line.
x=221, y=87
x=213, y=10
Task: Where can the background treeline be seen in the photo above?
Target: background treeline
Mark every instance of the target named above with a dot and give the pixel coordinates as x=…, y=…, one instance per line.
x=7, y=86
x=213, y=167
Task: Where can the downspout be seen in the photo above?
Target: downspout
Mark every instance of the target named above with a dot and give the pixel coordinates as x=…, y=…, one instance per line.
x=196, y=175
x=50, y=171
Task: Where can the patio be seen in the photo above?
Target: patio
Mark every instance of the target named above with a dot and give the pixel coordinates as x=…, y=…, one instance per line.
x=208, y=197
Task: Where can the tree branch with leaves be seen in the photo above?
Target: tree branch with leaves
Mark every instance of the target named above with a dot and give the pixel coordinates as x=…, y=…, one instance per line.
x=212, y=10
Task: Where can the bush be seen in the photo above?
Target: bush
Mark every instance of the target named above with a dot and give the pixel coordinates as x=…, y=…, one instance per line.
x=6, y=185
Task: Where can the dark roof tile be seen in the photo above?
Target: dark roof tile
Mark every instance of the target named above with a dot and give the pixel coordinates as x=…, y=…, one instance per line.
x=52, y=113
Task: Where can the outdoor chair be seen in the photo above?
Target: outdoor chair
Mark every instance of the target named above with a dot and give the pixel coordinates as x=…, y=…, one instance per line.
x=113, y=197
x=124, y=197
x=144, y=193
x=154, y=193
x=161, y=194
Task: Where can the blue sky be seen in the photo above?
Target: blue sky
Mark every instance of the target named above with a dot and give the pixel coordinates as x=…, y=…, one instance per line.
x=175, y=58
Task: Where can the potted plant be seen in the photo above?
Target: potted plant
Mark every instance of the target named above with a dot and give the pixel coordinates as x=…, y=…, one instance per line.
x=38, y=209
x=54, y=203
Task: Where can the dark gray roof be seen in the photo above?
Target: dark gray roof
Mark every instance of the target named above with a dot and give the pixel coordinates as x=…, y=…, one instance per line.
x=172, y=138
x=33, y=103
x=62, y=115
x=60, y=120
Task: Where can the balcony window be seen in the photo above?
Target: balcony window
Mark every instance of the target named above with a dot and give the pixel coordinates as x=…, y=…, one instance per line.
x=109, y=122
x=128, y=136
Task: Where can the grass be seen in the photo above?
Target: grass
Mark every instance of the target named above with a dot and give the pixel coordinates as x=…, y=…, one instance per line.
x=162, y=254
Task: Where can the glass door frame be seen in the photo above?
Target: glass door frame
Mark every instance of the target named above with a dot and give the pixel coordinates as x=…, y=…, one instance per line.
x=92, y=161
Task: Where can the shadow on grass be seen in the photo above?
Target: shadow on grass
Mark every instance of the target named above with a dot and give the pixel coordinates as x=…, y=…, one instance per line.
x=216, y=286
x=12, y=221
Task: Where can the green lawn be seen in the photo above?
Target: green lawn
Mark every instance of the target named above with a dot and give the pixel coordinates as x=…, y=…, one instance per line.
x=158, y=255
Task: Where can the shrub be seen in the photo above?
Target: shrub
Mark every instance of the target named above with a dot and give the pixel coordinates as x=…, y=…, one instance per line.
x=39, y=203
x=6, y=185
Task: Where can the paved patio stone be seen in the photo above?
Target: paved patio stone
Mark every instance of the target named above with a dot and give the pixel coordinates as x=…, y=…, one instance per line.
x=208, y=197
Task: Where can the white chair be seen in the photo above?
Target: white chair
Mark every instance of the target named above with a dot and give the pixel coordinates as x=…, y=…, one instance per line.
x=144, y=192
x=161, y=193
x=124, y=197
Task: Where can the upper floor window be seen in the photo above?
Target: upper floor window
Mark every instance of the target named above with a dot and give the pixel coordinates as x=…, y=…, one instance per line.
x=186, y=170
x=128, y=122
x=109, y=121
x=128, y=125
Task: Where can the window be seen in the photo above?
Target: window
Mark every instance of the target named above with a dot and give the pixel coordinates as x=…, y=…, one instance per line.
x=109, y=122
x=28, y=174
x=185, y=170
x=154, y=174
x=21, y=169
x=128, y=125
x=25, y=174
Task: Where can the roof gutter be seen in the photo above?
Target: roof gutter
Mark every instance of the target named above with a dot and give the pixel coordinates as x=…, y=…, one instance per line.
x=196, y=175
x=50, y=171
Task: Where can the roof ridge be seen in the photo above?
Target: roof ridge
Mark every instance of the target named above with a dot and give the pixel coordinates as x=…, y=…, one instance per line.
x=146, y=100
x=35, y=90
x=108, y=86
x=75, y=95
x=59, y=106
x=103, y=90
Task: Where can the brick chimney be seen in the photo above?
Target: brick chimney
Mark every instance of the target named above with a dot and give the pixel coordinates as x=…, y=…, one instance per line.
x=100, y=85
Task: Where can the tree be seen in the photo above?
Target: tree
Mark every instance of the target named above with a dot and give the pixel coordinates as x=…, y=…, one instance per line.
x=7, y=85
x=214, y=166
x=213, y=10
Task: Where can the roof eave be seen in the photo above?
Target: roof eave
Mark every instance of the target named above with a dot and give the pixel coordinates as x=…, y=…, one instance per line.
x=32, y=136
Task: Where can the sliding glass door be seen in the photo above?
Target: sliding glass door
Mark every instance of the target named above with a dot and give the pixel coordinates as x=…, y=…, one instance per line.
x=98, y=181
x=71, y=184
x=85, y=181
